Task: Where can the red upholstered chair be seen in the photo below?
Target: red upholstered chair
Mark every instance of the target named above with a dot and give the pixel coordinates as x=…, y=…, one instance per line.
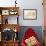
x=29, y=33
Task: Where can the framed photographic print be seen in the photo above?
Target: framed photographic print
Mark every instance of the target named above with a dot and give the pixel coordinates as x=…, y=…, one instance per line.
x=13, y=20
x=5, y=12
x=7, y=34
x=30, y=14
x=13, y=12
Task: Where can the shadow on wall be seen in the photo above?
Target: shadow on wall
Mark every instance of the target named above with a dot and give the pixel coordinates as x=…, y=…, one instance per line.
x=37, y=29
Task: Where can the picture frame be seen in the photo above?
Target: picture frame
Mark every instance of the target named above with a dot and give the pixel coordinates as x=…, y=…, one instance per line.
x=29, y=14
x=6, y=34
x=5, y=12
x=11, y=20
x=13, y=12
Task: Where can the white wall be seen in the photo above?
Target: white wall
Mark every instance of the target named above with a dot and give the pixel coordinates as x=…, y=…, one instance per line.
x=33, y=4
x=27, y=4
x=7, y=3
